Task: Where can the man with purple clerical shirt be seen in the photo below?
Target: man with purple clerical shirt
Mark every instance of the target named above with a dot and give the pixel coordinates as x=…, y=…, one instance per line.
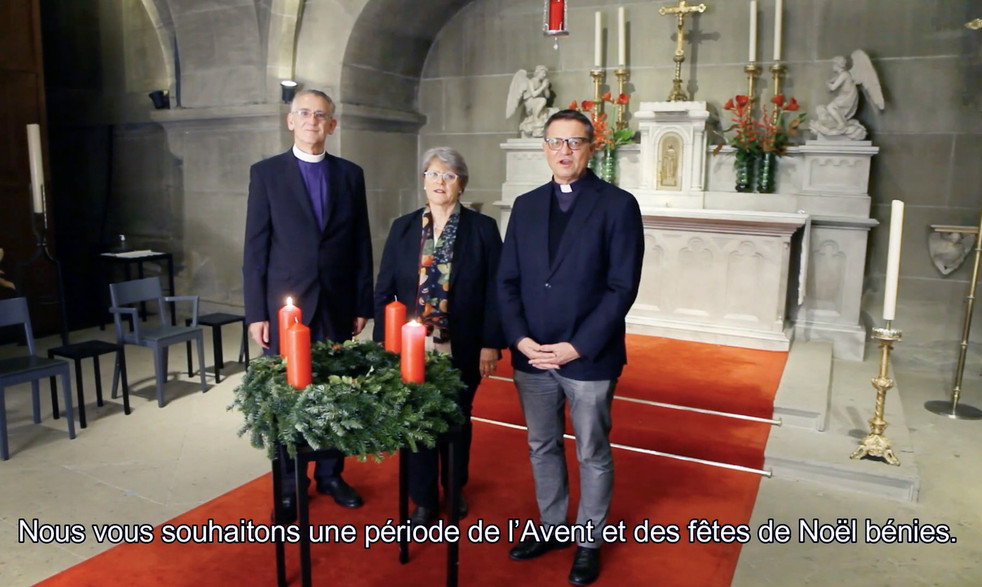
x=307, y=237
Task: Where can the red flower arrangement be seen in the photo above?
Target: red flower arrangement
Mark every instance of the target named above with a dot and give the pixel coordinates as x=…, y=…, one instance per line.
x=775, y=136
x=745, y=138
x=605, y=139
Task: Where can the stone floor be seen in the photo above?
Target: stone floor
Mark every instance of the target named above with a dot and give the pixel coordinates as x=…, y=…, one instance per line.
x=156, y=463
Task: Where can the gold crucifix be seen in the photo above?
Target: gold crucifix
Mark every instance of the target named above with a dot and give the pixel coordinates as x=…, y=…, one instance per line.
x=678, y=94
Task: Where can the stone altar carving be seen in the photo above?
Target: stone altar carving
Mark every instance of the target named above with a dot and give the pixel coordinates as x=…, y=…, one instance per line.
x=949, y=245
x=534, y=93
x=835, y=119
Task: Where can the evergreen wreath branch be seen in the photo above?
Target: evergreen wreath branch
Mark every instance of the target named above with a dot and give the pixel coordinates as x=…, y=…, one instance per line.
x=357, y=402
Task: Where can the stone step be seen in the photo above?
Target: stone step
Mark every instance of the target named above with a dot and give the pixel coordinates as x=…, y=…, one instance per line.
x=805, y=449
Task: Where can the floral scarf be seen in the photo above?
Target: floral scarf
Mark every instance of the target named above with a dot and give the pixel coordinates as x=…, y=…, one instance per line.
x=436, y=256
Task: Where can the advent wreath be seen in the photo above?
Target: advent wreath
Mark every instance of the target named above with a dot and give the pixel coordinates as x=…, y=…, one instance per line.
x=357, y=402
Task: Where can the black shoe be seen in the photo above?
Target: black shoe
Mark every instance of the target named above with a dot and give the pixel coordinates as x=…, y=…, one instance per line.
x=344, y=495
x=424, y=516
x=286, y=513
x=462, y=508
x=586, y=566
x=531, y=548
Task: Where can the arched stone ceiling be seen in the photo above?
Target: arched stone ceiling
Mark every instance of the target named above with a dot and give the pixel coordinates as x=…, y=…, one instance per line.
x=387, y=49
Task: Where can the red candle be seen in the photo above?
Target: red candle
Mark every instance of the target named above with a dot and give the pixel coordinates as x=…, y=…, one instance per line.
x=557, y=10
x=413, y=359
x=298, y=364
x=395, y=317
x=288, y=315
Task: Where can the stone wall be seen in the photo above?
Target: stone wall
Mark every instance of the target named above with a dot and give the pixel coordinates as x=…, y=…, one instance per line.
x=411, y=75
x=929, y=64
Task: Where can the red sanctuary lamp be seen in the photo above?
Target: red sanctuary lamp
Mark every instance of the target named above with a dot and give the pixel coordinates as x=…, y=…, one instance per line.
x=554, y=20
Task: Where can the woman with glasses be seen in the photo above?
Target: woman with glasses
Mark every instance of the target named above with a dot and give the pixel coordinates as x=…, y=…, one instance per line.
x=441, y=262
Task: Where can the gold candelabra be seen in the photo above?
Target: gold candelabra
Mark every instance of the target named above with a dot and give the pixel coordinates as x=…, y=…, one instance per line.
x=953, y=409
x=777, y=77
x=622, y=77
x=875, y=444
x=752, y=71
x=598, y=76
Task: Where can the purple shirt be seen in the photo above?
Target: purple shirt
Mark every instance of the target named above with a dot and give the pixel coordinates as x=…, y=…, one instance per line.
x=315, y=178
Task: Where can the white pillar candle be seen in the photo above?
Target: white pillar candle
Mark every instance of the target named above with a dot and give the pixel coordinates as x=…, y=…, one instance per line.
x=778, y=23
x=621, y=37
x=37, y=166
x=598, y=39
x=893, y=260
x=752, y=54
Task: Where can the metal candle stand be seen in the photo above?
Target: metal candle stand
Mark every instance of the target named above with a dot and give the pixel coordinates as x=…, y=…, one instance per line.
x=953, y=409
x=875, y=444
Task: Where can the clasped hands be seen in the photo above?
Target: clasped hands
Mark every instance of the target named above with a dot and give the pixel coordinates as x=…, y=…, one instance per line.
x=547, y=356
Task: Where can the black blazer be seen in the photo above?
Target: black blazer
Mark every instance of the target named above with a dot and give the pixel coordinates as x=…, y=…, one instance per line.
x=288, y=254
x=584, y=294
x=473, y=310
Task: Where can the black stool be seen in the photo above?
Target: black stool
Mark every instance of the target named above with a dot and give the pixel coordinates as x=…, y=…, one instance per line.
x=91, y=349
x=216, y=320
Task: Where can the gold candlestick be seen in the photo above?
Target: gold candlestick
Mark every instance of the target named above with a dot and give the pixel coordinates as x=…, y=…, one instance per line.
x=875, y=444
x=777, y=75
x=622, y=77
x=598, y=76
x=752, y=70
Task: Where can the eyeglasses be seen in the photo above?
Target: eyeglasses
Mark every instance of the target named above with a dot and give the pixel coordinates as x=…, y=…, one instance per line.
x=434, y=175
x=575, y=143
x=306, y=113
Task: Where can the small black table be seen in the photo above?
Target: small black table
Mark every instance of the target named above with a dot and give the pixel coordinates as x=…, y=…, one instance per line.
x=128, y=258
x=306, y=455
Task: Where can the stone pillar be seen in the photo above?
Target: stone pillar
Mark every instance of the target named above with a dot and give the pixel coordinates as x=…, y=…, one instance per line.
x=217, y=146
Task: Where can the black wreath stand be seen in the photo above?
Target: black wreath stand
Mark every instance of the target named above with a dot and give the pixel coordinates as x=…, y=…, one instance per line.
x=306, y=454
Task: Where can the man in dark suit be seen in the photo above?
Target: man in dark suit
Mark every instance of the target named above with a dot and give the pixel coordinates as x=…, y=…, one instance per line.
x=307, y=237
x=570, y=269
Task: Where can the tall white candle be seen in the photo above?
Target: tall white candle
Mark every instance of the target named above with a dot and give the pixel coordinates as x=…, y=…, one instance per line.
x=893, y=260
x=598, y=40
x=621, y=37
x=778, y=23
x=37, y=166
x=752, y=54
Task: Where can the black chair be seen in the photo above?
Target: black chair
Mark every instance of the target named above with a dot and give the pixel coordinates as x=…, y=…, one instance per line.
x=92, y=349
x=30, y=367
x=216, y=320
x=157, y=338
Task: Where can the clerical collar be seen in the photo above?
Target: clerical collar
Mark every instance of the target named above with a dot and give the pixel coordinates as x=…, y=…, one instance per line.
x=570, y=187
x=305, y=156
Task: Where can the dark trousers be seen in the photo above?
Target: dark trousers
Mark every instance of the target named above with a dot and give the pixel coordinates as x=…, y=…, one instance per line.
x=427, y=465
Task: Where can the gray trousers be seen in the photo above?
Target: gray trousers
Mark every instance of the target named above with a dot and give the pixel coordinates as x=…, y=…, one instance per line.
x=543, y=396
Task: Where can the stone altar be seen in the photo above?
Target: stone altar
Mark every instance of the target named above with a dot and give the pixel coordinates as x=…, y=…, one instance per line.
x=814, y=284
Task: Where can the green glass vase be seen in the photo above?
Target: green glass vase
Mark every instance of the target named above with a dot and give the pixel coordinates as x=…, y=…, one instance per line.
x=743, y=165
x=767, y=172
x=608, y=166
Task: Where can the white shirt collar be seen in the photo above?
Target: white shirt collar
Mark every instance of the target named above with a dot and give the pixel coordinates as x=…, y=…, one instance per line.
x=305, y=156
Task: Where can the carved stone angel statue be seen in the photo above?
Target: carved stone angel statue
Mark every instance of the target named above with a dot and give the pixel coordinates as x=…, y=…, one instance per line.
x=835, y=119
x=535, y=94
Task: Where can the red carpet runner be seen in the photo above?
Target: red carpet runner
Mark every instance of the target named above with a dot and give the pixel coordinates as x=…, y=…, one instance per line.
x=649, y=491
